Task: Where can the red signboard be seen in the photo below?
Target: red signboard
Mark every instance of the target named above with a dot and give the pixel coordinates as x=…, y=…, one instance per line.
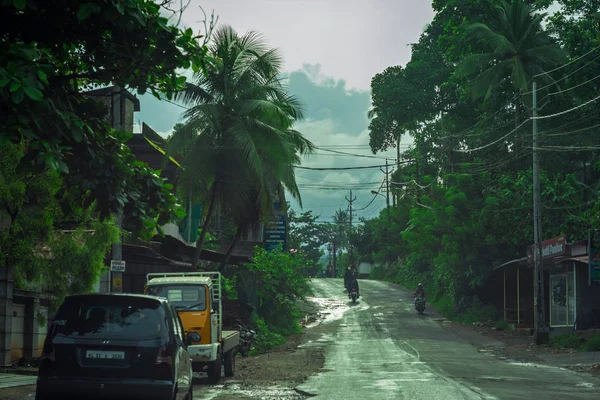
x=550, y=248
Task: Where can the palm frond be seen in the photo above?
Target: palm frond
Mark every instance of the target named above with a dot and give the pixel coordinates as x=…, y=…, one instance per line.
x=475, y=63
x=193, y=94
x=498, y=41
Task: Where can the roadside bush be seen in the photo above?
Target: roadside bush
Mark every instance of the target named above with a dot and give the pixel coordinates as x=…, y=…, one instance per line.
x=378, y=273
x=591, y=344
x=265, y=339
x=280, y=282
x=476, y=311
x=566, y=340
x=502, y=325
x=444, y=306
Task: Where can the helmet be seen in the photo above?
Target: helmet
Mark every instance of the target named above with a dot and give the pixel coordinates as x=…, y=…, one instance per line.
x=420, y=285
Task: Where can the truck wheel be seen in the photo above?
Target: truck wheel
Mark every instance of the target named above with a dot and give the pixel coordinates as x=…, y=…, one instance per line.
x=214, y=370
x=229, y=363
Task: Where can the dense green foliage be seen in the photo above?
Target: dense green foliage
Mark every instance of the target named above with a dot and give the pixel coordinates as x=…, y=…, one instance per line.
x=573, y=341
x=279, y=283
x=308, y=236
x=464, y=198
x=238, y=144
x=61, y=253
x=50, y=54
x=64, y=170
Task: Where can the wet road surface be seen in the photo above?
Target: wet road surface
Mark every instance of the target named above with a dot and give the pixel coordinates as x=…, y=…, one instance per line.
x=381, y=348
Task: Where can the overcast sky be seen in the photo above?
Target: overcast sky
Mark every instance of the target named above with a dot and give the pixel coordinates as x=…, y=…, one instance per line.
x=332, y=49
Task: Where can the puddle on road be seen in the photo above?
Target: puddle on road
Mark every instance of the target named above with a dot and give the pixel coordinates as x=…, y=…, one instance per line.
x=232, y=390
x=329, y=310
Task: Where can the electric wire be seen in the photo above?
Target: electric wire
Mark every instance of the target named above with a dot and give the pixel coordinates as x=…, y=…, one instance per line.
x=567, y=64
x=495, y=141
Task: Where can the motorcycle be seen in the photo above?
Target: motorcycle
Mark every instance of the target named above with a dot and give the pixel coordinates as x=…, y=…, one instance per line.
x=420, y=304
x=247, y=337
x=353, y=295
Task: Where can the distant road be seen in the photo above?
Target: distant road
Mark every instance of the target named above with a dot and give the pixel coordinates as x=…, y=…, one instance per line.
x=382, y=349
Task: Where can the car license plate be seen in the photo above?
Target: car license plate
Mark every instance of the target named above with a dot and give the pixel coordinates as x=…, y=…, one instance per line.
x=105, y=355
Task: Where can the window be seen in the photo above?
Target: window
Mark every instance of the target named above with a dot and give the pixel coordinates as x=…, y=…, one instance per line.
x=189, y=297
x=106, y=317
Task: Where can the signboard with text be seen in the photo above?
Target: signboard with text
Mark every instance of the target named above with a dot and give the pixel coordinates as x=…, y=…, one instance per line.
x=550, y=248
x=117, y=266
x=275, y=232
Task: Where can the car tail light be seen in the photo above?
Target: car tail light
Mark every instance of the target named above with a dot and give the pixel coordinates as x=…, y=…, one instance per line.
x=163, y=368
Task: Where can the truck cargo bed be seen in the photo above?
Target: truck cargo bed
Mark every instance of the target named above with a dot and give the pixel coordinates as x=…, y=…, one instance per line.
x=230, y=339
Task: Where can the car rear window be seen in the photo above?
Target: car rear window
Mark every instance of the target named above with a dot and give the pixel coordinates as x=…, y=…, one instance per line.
x=114, y=317
x=192, y=297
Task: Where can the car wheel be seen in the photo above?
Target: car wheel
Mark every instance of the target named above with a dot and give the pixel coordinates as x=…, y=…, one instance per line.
x=230, y=363
x=40, y=396
x=214, y=370
x=190, y=395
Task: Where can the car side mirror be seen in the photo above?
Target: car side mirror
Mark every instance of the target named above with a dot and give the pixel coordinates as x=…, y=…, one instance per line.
x=193, y=337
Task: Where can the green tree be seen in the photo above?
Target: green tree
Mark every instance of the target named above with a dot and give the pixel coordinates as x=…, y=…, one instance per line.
x=43, y=78
x=518, y=49
x=241, y=148
x=308, y=235
x=62, y=253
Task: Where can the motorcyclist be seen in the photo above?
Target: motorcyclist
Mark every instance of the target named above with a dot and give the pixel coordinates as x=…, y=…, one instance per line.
x=347, y=276
x=420, y=292
x=353, y=284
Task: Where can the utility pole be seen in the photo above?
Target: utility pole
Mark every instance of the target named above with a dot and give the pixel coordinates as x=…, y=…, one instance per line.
x=350, y=201
x=541, y=333
x=387, y=187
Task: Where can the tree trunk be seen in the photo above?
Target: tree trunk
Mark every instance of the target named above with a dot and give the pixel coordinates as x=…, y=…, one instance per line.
x=200, y=243
x=517, y=122
x=334, y=272
x=238, y=234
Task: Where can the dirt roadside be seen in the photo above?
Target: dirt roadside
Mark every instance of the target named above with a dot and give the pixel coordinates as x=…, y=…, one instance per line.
x=287, y=365
x=520, y=347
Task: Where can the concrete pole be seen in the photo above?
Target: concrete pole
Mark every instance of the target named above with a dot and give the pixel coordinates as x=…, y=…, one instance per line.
x=541, y=333
x=350, y=201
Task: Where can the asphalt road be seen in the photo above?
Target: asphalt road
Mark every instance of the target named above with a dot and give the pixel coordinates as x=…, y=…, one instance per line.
x=382, y=349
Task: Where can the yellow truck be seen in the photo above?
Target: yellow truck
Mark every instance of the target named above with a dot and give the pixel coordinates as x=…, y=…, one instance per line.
x=197, y=299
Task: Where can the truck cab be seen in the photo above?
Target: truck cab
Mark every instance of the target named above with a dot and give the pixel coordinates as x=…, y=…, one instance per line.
x=197, y=298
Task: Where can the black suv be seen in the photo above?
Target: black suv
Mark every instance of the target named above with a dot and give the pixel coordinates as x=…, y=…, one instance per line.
x=116, y=346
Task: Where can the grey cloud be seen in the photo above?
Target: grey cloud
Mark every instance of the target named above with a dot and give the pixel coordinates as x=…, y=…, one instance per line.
x=328, y=98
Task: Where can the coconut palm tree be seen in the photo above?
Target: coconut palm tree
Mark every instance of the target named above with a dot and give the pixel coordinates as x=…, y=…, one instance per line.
x=338, y=229
x=240, y=149
x=519, y=49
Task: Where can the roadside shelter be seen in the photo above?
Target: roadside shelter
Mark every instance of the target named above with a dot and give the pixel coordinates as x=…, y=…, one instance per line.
x=572, y=297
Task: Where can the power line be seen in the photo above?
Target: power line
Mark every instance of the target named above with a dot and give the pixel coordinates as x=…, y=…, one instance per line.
x=374, y=197
x=571, y=88
x=495, y=141
x=566, y=111
x=354, y=154
x=563, y=78
x=567, y=64
x=346, y=168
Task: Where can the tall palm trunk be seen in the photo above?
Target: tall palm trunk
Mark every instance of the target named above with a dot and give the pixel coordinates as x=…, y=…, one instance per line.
x=517, y=122
x=334, y=272
x=201, y=239
x=236, y=239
